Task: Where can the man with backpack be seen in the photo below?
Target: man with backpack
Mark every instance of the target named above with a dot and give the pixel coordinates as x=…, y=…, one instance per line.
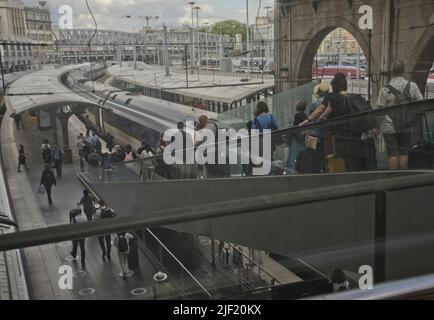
x=104, y=212
x=121, y=242
x=46, y=152
x=396, y=127
x=57, y=155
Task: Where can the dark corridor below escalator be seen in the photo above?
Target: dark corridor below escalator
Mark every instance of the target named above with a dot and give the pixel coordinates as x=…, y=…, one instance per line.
x=217, y=281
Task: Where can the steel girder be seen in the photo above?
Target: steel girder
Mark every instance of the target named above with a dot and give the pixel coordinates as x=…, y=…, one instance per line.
x=84, y=37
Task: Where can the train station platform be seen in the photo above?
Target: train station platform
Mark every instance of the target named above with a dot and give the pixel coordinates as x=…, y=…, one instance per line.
x=100, y=279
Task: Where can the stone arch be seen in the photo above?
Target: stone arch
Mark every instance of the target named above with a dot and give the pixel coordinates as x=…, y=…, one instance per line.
x=420, y=63
x=307, y=52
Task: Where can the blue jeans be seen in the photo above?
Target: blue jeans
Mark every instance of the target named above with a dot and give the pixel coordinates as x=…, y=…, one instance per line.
x=294, y=150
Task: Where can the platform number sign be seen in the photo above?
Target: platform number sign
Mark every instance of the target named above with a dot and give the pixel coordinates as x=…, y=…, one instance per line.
x=366, y=21
x=66, y=278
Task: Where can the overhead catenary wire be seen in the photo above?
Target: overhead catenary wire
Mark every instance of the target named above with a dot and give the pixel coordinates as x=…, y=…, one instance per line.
x=90, y=43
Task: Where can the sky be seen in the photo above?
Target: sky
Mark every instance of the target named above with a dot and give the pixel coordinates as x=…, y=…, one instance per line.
x=110, y=14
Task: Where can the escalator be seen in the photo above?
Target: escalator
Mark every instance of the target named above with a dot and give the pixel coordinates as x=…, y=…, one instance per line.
x=219, y=282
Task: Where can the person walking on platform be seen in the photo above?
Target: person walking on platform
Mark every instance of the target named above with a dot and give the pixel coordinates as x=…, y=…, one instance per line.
x=121, y=242
x=104, y=212
x=46, y=152
x=22, y=158
x=88, y=204
x=48, y=180
x=77, y=217
x=57, y=155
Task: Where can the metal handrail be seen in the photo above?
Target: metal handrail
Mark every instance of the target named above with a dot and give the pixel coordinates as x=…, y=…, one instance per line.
x=22, y=261
x=30, y=238
x=180, y=291
x=254, y=262
x=182, y=266
x=170, y=253
x=418, y=106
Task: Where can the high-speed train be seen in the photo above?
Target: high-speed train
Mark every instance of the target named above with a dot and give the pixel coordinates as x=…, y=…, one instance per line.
x=129, y=117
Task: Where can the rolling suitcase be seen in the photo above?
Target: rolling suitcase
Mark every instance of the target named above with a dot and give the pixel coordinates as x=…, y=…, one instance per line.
x=308, y=162
x=335, y=165
x=73, y=213
x=133, y=256
x=421, y=156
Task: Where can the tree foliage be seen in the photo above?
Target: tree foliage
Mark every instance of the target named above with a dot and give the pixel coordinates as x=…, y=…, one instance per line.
x=231, y=28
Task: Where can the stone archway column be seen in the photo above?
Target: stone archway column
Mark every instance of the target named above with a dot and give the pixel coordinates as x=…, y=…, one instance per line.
x=64, y=119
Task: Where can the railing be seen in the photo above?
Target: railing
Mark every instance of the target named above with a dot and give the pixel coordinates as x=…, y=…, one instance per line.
x=8, y=220
x=237, y=275
x=344, y=147
x=413, y=288
x=158, y=261
x=273, y=280
x=30, y=238
x=184, y=273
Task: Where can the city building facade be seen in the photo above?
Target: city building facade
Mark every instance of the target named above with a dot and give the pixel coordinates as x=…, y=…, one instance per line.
x=39, y=31
x=16, y=51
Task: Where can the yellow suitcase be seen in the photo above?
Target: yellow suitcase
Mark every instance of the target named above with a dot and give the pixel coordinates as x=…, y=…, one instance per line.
x=335, y=165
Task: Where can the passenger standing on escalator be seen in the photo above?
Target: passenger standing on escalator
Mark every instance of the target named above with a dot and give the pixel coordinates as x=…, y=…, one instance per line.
x=297, y=141
x=264, y=120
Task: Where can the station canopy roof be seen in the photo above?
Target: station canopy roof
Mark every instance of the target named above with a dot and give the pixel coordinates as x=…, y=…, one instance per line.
x=43, y=89
x=151, y=76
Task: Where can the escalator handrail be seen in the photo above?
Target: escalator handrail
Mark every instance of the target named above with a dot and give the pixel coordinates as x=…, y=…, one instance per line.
x=254, y=262
x=182, y=266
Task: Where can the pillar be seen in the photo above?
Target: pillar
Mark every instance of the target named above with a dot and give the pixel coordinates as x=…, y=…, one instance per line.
x=64, y=119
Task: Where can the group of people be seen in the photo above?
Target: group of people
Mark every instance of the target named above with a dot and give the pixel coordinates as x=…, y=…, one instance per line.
x=185, y=170
x=97, y=210
x=314, y=150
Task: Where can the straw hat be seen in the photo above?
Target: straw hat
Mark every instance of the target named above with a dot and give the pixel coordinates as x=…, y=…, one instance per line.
x=160, y=276
x=321, y=88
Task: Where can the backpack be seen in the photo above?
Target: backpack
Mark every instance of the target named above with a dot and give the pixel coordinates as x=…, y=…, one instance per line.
x=129, y=156
x=354, y=103
x=46, y=152
x=122, y=244
x=402, y=119
x=359, y=104
x=106, y=213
